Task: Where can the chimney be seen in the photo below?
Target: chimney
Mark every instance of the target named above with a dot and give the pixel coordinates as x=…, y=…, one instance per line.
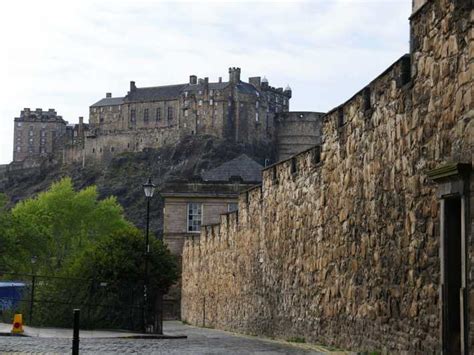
x=132, y=86
x=255, y=81
x=200, y=81
x=108, y=95
x=81, y=120
x=220, y=79
x=193, y=79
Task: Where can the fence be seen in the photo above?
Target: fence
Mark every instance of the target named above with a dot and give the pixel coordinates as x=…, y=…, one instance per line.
x=49, y=301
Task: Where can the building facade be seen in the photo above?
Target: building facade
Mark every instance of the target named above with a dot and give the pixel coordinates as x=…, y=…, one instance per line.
x=37, y=135
x=190, y=205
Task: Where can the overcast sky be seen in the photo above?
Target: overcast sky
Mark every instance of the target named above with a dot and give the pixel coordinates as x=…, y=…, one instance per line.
x=67, y=54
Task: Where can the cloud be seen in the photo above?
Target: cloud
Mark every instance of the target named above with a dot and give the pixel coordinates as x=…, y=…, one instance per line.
x=67, y=54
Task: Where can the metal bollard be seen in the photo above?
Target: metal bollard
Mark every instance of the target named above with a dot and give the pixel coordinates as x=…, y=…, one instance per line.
x=75, y=334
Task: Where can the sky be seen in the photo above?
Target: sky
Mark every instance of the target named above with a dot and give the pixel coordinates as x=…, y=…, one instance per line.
x=67, y=54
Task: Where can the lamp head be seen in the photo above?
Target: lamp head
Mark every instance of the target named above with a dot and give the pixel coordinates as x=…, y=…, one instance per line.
x=149, y=188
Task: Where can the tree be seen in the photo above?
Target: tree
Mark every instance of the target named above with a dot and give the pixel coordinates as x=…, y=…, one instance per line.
x=106, y=280
x=60, y=222
x=91, y=256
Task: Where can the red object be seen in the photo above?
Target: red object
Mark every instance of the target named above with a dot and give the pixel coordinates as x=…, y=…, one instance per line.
x=16, y=325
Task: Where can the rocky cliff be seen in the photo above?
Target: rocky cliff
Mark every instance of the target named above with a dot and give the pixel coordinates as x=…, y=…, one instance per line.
x=124, y=175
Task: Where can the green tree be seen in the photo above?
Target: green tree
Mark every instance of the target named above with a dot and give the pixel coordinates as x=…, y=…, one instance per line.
x=7, y=245
x=60, y=222
x=106, y=282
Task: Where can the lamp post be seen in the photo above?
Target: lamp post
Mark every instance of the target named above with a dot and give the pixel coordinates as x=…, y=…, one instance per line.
x=149, y=189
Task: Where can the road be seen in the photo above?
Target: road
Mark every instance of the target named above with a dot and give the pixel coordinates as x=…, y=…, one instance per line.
x=199, y=341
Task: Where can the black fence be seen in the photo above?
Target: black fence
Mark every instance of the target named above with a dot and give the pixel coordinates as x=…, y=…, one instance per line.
x=48, y=301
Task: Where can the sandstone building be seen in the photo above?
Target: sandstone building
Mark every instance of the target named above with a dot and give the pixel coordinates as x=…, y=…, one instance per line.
x=250, y=112
x=36, y=134
x=188, y=205
x=365, y=243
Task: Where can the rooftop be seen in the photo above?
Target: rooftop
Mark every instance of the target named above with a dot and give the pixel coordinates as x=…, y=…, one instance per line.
x=242, y=166
x=109, y=101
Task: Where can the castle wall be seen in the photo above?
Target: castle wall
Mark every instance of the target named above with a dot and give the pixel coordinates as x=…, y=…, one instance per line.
x=296, y=132
x=345, y=250
x=105, y=147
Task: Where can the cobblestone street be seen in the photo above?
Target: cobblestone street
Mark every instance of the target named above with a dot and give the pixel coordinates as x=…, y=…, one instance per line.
x=199, y=341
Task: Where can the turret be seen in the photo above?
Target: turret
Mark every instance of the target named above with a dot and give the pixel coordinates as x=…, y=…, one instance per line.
x=234, y=75
x=287, y=91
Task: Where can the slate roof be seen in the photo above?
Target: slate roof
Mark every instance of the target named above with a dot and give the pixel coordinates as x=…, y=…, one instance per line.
x=109, y=101
x=246, y=88
x=155, y=93
x=212, y=86
x=248, y=169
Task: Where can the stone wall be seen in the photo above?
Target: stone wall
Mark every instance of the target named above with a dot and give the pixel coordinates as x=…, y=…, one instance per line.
x=343, y=248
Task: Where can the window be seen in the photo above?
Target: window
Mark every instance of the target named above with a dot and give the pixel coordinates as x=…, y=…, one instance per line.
x=170, y=113
x=145, y=115
x=158, y=113
x=31, y=133
x=232, y=207
x=200, y=103
x=211, y=92
x=42, y=150
x=101, y=119
x=185, y=94
x=200, y=92
x=133, y=115
x=256, y=117
x=18, y=148
x=186, y=113
x=43, y=133
x=194, y=217
x=256, y=104
x=211, y=102
x=18, y=124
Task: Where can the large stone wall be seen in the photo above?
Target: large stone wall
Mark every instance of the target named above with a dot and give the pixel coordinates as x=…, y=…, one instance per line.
x=344, y=249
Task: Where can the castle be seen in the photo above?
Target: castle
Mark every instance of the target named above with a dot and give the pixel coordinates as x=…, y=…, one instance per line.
x=250, y=112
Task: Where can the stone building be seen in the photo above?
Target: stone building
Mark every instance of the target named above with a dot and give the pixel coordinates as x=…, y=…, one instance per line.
x=365, y=243
x=297, y=131
x=250, y=112
x=36, y=135
x=188, y=205
x=150, y=117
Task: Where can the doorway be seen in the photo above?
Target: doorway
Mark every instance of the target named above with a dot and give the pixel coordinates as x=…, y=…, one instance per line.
x=453, y=276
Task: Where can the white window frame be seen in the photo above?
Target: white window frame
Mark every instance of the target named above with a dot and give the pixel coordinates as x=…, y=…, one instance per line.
x=189, y=227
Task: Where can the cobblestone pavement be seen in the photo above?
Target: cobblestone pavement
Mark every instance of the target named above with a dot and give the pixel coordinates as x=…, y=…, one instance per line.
x=199, y=341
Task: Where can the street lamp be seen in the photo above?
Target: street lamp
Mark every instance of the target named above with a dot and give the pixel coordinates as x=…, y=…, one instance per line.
x=149, y=189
